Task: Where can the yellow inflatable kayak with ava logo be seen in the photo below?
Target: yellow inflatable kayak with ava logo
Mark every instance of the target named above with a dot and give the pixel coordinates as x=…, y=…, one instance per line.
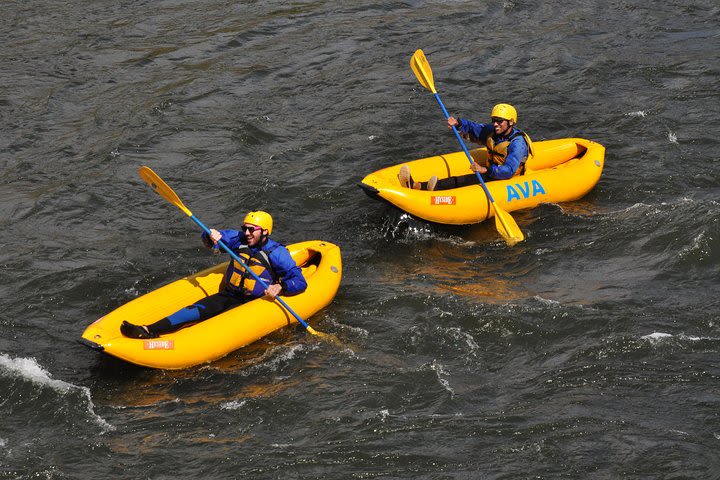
x=561, y=170
x=214, y=338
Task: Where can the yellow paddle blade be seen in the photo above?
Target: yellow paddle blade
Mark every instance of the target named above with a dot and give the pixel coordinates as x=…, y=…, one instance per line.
x=162, y=188
x=328, y=337
x=423, y=72
x=507, y=227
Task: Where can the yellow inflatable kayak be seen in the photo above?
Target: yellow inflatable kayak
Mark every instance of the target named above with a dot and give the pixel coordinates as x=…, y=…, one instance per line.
x=560, y=171
x=216, y=337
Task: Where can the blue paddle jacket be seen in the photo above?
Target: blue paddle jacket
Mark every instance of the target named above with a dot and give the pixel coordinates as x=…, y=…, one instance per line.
x=517, y=150
x=284, y=269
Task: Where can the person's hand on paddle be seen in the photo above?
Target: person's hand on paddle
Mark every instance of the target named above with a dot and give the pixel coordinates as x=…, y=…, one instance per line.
x=211, y=240
x=215, y=236
x=476, y=167
x=454, y=122
x=273, y=290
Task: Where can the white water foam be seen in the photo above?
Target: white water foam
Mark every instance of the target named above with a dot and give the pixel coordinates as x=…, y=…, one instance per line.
x=283, y=355
x=384, y=414
x=459, y=336
x=408, y=230
x=699, y=245
x=644, y=208
x=657, y=337
x=639, y=113
x=233, y=405
x=342, y=326
x=29, y=369
x=441, y=374
x=274, y=358
x=133, y=290
x=547, y=301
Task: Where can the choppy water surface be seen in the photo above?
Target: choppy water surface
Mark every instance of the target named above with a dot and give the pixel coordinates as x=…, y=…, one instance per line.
x=588, y=351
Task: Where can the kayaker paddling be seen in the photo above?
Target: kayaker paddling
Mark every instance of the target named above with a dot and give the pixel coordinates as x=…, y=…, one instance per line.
x=268, y=259
x=508, y=149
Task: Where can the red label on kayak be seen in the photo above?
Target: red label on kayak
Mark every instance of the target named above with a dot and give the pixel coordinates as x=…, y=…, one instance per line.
x=442, y=200
x=159, y=345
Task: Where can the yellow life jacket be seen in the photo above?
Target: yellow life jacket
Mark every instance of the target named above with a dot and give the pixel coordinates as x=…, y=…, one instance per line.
x=242, y=283
x=497, y=152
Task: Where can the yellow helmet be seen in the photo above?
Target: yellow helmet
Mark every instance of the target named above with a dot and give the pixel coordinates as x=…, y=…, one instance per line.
x=504, y=111
x=261, y=219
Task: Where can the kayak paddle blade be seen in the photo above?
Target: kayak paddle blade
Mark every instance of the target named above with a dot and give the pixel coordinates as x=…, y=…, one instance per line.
x=507, y=227
x=422, y=70
x=162, y=188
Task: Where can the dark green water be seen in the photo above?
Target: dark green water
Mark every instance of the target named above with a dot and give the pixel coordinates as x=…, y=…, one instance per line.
x=587, y=351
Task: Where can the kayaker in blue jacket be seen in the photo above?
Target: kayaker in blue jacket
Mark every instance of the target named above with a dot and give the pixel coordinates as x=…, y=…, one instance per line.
x=269, y=259
x=508, y=150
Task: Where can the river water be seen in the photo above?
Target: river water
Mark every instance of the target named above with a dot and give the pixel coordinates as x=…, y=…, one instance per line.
x=587, y=351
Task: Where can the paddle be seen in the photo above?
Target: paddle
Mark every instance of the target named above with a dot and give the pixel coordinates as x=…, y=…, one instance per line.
x=162, y=189
x=504, y=222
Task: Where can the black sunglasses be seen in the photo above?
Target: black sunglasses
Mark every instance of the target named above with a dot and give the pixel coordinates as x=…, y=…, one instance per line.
x=498, y=120
x=250, y=228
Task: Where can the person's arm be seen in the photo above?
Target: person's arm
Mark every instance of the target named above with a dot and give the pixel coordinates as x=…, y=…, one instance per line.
x=231, y=238
x=291, y=278
x=475, y=132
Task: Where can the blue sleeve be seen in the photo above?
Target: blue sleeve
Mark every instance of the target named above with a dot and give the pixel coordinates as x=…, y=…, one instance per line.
x=231, y=238
x=475, y=132
x=517, y=151
x=291, y=277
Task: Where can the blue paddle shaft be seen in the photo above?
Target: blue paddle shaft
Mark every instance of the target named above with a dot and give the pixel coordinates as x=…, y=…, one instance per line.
x=457, y=135
x=247, y=269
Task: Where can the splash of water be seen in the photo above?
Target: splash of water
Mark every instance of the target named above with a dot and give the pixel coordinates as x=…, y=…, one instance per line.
x=29, y=369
